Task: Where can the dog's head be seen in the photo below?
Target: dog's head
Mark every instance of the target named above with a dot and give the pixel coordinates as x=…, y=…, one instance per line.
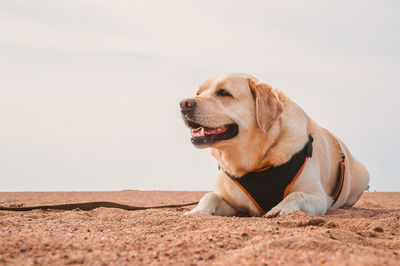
x=229, y=108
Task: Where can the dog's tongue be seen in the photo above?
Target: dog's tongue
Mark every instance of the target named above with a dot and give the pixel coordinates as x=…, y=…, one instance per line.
x=199, y=132
x=218, y=130
x=209, y=131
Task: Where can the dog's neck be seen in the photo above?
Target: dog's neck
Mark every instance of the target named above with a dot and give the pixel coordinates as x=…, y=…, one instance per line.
x=272, y=148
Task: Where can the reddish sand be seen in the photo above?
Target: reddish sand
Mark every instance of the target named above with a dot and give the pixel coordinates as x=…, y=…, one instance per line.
x=367, y=234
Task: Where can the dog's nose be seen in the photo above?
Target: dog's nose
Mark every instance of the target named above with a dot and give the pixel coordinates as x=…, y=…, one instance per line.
x=187, y=105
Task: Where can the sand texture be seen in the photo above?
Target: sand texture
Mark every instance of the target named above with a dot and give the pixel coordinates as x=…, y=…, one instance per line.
x=367, y=234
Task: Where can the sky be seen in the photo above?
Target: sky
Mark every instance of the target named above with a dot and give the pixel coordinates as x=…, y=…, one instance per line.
x=90, y=90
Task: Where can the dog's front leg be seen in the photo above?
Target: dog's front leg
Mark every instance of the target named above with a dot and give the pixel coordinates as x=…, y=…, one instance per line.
x=314, y=204
x=212, y=204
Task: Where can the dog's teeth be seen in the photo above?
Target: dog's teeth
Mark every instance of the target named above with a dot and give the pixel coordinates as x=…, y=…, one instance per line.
x=202, y=132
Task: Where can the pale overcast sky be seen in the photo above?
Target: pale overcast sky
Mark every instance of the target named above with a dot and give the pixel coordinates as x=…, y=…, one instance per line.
x=90, y=89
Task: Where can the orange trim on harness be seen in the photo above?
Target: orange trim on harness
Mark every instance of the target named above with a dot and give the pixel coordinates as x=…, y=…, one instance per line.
x=340, y=183
x=295, y=178
x=247, y=193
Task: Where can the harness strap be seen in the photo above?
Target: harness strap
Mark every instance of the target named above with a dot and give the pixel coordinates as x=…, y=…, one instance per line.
x=295, y=178
x=340, y=179
x=309, y=154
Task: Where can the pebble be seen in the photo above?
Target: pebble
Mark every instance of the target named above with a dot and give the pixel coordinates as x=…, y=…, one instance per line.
x=333, y=237
x=378, y=229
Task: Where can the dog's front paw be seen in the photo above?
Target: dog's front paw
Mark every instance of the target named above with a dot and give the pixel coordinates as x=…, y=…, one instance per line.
x=199, y=209
x=207, y=205
x=212, y=204
x=279, y=211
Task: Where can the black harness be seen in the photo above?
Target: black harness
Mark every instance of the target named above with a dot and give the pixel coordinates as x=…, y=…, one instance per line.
x=267, y=187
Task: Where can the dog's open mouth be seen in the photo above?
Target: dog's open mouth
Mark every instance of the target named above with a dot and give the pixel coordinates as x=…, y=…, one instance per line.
x=206, y=135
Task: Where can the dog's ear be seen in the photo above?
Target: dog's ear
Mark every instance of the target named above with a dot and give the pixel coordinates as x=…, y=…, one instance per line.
x=268, y=105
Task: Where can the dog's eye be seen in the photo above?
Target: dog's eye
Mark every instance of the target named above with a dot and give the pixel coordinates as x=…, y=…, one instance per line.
x=223, y=93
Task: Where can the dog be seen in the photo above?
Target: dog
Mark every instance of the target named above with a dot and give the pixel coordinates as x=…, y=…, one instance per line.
x=263, y=140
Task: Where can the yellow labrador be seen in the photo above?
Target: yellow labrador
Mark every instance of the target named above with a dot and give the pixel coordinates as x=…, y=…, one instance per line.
x=252, y=128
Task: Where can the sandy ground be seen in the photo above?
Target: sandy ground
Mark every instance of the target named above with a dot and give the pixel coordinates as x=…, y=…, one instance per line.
x=367, y=234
